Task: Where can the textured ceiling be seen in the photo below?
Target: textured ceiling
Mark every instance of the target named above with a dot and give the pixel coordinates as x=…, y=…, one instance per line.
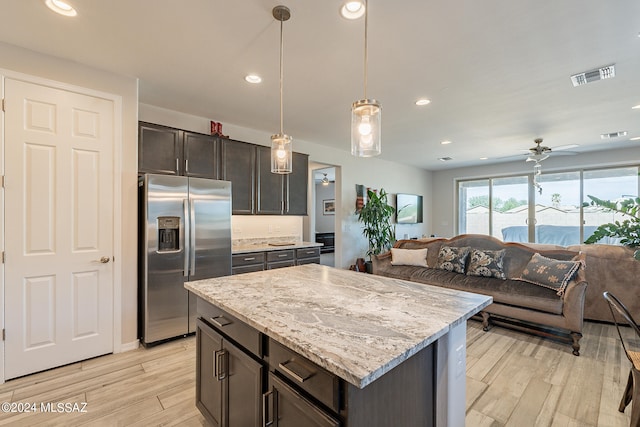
x=497, y=72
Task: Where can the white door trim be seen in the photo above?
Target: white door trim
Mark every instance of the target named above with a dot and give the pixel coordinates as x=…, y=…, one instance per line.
x=117, y=198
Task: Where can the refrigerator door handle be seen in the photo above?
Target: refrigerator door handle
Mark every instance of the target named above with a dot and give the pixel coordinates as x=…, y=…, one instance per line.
x=192, y=239
x=187, y=235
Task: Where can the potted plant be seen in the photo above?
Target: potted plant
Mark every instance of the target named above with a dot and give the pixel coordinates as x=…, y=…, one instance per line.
x=628, y=230
x=376, y=215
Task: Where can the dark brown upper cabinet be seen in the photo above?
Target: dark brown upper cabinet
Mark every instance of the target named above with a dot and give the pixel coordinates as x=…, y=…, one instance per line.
x=169, y=151
x=239, y=166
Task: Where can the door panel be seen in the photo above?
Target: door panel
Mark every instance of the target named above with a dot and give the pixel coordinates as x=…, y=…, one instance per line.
x=59, y=224
x=40, y=309
x=85, y=200
x=39, y=210
x=86, y=306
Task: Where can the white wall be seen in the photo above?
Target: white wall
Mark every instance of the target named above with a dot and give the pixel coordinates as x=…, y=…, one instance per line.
x=324, y=223
x=444, y=186
x=371, y=172
x=125, y=270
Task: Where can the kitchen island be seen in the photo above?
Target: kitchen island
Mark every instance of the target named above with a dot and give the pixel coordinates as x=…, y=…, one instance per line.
x=314, y=345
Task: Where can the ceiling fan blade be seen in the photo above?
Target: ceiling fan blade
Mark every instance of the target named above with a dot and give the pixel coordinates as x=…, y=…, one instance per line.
x=565, y=147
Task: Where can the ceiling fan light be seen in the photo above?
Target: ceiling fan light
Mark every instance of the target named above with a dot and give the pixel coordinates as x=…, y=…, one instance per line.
x=537, y=157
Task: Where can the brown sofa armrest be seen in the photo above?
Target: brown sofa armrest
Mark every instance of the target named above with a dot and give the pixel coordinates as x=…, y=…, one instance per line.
x=573, y=307
x=376, y=260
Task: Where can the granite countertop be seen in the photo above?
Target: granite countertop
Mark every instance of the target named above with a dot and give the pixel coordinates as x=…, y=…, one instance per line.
x=357, y=326
x=265, y=247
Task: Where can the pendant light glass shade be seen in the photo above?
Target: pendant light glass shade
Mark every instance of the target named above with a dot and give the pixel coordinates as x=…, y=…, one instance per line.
x=365, y=128
x=281, y=154
x=366, y=114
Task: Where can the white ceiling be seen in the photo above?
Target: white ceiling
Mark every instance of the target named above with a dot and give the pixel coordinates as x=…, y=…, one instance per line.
x=497, y=72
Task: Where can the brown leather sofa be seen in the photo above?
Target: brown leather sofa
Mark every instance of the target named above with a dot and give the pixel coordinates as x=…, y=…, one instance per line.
x=516, y=303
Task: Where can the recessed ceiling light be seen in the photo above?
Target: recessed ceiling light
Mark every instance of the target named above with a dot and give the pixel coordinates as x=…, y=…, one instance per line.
x=352, y=9
x=635, y=138
x=61, y=7
x=253, y=78
x=423, y=101
x=484, y=158
x=445, y=159
x=636, y=107
x=445, y=142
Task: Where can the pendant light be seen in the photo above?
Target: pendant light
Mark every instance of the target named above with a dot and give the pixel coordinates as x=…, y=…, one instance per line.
x=365, y=113
x=281, y=154
x=325, y=180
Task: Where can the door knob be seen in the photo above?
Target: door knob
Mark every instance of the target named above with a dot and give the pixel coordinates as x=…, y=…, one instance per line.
x=103, y=260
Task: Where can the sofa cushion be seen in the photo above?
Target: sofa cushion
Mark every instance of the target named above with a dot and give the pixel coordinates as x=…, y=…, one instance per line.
x=510, y=292
x=549, y=273
x=453, y=259
x=486, y=263
x=417, y=257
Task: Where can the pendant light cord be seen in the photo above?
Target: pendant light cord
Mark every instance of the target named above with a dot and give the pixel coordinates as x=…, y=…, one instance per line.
x=281, y=75
x=366, y=56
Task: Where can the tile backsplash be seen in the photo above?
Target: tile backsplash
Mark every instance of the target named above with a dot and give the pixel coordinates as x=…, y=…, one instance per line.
x=256, y=229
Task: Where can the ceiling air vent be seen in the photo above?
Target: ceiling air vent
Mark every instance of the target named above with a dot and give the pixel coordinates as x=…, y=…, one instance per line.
x=594, y=75
x=613, y=134
x=445, y=159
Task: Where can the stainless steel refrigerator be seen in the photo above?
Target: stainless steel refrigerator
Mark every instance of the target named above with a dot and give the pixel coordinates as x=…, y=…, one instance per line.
x=185, y=235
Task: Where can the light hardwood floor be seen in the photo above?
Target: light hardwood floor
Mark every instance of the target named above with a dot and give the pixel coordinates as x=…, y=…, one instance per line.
x=513, y=379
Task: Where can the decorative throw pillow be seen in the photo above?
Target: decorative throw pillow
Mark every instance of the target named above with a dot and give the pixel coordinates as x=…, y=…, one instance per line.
x=486, y=263
x=452, y=258
x=549, y=273
x=417, y=257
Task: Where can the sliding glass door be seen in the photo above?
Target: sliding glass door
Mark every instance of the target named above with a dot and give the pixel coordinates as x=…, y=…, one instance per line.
x=553, y=209
x=557, y=209
x=607, y=184
x=510, y=208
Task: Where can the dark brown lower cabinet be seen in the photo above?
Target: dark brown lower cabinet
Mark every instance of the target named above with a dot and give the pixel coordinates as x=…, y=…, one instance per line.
x=228, y=381
x=246, y=379
x=286, y=407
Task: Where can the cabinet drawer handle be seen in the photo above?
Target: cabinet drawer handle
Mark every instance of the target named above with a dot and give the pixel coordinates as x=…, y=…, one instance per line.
x=220, y=367
x=265, y=406
x=220, y=321
x=296, y=371
x=250, y=258
x=282, y=256
x=311, y=252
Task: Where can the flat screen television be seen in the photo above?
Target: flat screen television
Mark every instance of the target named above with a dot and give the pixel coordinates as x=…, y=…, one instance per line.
x=408, y=209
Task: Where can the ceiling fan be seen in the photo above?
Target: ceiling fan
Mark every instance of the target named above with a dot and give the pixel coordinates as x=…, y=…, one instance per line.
x=541, y=152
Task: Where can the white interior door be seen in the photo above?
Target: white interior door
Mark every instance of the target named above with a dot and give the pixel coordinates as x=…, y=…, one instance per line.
x=59, y=226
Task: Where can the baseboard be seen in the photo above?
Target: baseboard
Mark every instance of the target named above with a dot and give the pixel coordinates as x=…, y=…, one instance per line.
x=128, y=346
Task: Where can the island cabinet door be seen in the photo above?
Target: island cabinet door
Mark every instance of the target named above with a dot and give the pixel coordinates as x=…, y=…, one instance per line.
x=286, y=407
x=210, y=383
x=244, y=392
x=228, y=381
